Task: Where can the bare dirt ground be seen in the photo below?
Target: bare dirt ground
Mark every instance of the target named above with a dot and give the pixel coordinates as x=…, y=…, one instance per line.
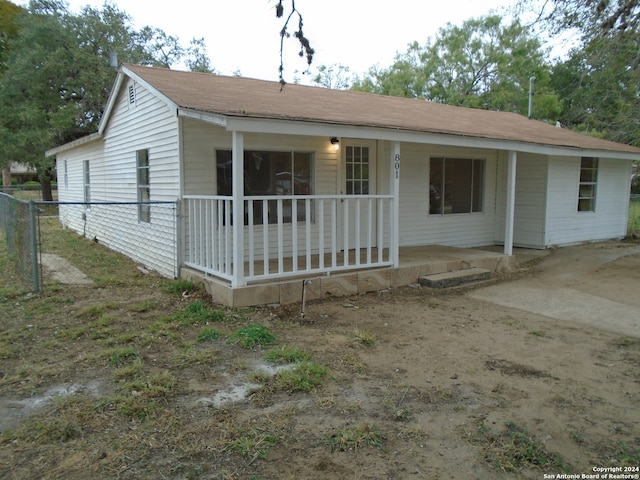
x=532, y=375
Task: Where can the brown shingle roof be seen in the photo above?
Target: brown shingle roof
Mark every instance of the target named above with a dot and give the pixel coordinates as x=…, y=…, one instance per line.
x=243, y=97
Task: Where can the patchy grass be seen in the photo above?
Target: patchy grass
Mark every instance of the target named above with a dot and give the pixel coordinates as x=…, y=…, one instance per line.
x=355, y=437
x=252, y=336
x=513, y=449
x=286, y=354
x=197, y=312
x=209, y=334
x=121, y=379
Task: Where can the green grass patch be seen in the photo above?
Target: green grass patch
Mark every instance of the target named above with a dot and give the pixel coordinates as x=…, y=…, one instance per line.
x=119, y=356
x=625, y=456
x=286, y=354
x=252, y=336
x=209, y=334
x=197, y=312
x=180, y=287
x=304, y=377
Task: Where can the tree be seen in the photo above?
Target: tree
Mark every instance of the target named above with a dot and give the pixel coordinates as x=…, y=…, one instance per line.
x=58, y=75
x=337, y=77
x=481, y=64
x=600, y=79
x=591, y=17
x=8, y=29
x=197, y=58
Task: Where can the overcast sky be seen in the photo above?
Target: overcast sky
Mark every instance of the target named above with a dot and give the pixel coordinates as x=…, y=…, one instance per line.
x=243, y=35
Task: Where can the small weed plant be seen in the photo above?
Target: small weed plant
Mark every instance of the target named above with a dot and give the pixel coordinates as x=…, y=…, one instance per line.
x=365, y=337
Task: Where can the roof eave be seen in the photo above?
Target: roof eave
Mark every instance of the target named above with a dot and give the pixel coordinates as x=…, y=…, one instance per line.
x=76, y=143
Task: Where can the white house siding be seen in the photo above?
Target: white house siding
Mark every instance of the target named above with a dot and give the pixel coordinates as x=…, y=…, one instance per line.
x=565, y=225
x=530, y=201
x=417, y=226
x=149, y=124
x=201, y=141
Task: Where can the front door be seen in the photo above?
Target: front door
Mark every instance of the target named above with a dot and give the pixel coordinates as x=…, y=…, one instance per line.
x=359, y=181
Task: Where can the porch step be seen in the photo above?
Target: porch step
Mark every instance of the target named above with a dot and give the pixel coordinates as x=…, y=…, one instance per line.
x=455, y=278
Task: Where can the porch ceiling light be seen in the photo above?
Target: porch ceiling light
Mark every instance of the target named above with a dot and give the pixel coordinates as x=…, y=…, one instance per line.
x=335, y=142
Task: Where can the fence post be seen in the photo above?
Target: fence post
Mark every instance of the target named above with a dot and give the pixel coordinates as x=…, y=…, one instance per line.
x=34, y=246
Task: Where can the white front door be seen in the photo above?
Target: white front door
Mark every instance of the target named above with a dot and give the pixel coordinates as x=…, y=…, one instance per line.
x=359, y=179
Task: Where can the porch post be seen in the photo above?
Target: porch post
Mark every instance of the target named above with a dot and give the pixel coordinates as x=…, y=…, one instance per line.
x=237, y=158
x=394, y=190
x=511, y=200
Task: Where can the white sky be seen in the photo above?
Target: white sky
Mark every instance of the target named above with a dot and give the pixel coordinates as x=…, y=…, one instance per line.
x=243, y=35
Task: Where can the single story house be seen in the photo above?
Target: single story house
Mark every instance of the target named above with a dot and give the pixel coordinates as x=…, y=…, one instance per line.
x=275, y=183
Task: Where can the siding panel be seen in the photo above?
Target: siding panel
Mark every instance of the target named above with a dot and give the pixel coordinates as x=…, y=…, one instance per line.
x=568, y=226
x=151, y=125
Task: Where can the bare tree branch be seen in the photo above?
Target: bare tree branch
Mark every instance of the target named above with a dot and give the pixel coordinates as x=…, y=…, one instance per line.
x=305, y=45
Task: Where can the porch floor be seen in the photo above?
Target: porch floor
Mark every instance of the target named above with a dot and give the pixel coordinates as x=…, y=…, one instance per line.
x=414, y=263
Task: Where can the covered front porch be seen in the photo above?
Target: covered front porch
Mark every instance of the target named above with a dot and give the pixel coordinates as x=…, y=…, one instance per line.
x=336, y=221
x=413, y=263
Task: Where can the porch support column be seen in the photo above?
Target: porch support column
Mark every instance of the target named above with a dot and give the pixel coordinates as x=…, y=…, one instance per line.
x=394, y=220
x=237, y=158
x=511, y=200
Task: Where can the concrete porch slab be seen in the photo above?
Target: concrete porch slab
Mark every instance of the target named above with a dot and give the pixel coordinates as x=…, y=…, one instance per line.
x=415, y=262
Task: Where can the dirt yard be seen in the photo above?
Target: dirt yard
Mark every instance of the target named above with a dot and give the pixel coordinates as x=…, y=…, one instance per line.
x=532, y=375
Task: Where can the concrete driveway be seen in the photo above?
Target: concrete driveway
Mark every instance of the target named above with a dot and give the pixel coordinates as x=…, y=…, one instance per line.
x=595, y=284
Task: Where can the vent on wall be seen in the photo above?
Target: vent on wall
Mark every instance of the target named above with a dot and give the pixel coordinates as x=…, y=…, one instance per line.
x=132, y=95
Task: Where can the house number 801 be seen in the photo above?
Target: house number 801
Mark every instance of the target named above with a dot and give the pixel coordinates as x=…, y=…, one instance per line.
x=397, y=165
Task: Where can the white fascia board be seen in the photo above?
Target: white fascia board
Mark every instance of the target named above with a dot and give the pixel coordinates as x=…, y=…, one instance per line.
x=113, y=95
x=74, y=144
x=214, y=119
x=280, y=127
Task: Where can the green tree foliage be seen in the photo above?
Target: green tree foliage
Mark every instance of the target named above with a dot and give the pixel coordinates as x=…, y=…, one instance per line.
x=601, y=88
x=481, y=64
x=337, y=77
x=600, y=79
x=58, y=74
x=8, y=29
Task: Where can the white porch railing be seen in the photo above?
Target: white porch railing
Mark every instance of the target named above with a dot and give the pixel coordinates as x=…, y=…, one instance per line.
x=289, y=235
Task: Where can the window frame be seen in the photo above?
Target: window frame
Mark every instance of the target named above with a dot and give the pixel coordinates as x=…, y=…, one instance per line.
x=276, y=187
x=86, y=182
x=589, y=174
x=143, y=185
x=476, y=179
x=66, y=174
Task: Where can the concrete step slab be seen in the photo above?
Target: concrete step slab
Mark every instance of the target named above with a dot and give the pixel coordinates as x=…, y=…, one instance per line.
x=455, y=278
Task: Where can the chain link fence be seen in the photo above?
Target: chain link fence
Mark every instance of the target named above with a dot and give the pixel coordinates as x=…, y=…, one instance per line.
x=45, y=252
x=18, y=223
